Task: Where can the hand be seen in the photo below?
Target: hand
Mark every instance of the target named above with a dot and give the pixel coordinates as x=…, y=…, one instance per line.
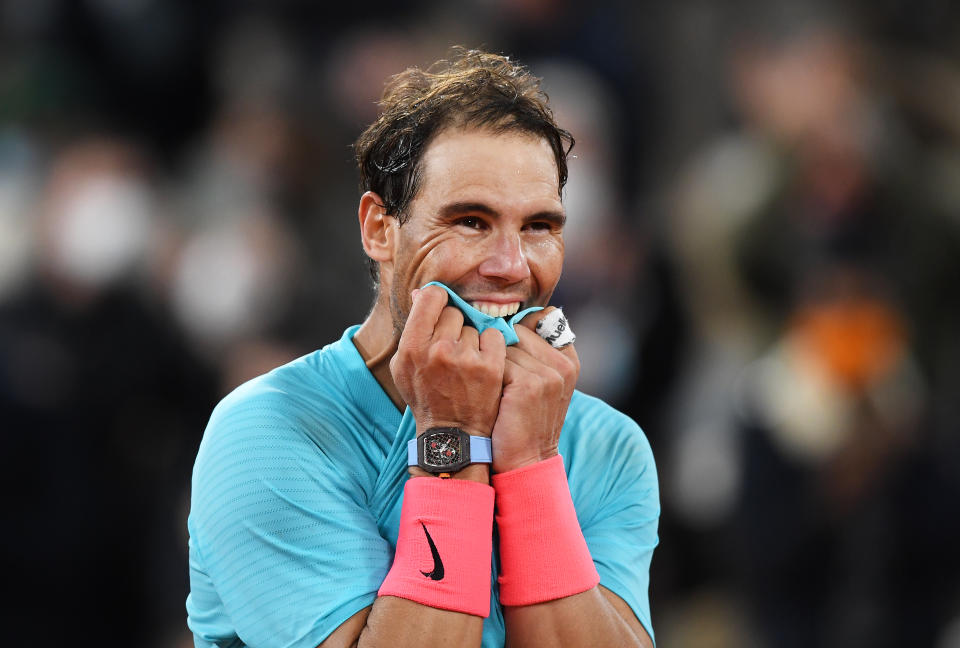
x=538, y=383
x=446, y=372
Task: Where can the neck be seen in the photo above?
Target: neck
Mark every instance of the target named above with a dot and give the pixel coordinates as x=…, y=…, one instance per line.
x=377, y=342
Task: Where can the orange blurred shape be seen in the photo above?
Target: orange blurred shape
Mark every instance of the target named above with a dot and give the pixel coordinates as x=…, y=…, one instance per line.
x=857, y=340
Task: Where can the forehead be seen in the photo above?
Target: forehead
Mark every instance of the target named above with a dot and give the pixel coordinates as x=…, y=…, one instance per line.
x=510, y=166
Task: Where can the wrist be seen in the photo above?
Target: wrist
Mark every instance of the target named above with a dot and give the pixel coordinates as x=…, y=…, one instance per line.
x=479, y=473
x=444, y=544
x=430, y=424
x=444, y=451
x=543, y=554
x=518, y=462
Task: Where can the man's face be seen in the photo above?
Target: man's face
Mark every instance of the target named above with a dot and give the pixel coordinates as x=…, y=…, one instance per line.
x=487, y=222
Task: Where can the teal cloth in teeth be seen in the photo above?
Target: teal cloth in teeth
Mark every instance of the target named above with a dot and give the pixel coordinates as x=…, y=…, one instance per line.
x=482, y=321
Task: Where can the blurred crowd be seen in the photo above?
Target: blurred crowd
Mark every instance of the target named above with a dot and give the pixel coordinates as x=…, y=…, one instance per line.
x=763, y=269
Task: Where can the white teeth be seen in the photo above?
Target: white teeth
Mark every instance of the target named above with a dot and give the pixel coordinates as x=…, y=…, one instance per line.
x=496, y=310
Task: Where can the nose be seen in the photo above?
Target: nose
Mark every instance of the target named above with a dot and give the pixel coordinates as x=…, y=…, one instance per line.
x=505, y=259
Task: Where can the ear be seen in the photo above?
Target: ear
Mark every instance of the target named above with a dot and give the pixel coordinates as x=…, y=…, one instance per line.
x=376, y=228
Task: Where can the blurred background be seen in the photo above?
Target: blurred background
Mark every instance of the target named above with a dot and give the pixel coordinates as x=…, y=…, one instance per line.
x=763, y=269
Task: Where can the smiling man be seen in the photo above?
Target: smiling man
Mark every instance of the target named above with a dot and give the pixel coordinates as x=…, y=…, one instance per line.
x=429, y=480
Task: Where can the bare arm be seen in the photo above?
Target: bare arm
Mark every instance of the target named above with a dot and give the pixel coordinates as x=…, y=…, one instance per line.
x=450, y=375
x=597, y=617
x=539, y=382
x=579, y=620
x=397, y=623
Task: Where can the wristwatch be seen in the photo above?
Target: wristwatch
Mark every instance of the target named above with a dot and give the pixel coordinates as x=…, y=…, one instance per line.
x=447, y=450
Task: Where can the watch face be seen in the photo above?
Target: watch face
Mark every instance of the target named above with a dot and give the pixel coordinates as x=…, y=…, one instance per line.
x=442, y=449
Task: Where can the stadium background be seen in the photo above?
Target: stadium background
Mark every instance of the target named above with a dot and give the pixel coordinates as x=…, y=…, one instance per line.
x=763, y=269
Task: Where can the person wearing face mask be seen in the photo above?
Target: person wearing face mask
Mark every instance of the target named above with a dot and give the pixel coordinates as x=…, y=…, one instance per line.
x=434, y=477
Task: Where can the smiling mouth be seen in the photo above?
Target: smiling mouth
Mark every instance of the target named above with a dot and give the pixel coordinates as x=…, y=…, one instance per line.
x=496, y=310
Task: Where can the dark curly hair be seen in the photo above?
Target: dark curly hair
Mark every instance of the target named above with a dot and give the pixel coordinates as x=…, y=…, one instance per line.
x=473, y=89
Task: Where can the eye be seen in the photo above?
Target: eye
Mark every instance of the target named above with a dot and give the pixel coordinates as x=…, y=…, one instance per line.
x=542, y=226
x=472, y=222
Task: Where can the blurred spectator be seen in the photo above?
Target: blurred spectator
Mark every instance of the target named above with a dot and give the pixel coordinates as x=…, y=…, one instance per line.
x=231, y=280
x=831, y=419
x=602, y=248
x=807, y=229
x=17, y=189
x=780, y=312
x=102, y=404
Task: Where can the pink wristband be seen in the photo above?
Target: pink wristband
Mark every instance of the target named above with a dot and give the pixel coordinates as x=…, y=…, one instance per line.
x=543, y=555
x=444, y=545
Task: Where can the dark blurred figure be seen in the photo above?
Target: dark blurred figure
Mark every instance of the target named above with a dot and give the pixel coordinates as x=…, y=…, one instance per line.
x=102, y=407
x=817, y=490
x=846, y=517
x=829, y=527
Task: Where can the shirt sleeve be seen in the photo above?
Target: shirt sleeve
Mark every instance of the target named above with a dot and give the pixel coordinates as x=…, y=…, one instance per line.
x=615, y=491
x=283, y=546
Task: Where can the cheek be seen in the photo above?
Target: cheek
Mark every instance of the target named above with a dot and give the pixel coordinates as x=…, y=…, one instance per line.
x=546, y=257
x=426, y=255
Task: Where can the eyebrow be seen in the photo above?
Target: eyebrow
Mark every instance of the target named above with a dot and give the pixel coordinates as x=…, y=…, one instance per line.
x=452, y=210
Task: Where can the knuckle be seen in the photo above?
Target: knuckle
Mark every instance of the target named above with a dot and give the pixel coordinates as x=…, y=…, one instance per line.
x=471, y=364
x=442, y=352
x=569, y=370
x=452, y=312
x=528, y=390
x=400, y=359
x=493, y=365
x=433, y=292
x=485, y=369
x=554, y=383
x=538, y=383
x=493, y=336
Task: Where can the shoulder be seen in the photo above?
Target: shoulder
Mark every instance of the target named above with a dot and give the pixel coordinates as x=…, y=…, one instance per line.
x=591, y=421
x=276, y=437
x=608, y=459
x=301, y=408
x=293, y=395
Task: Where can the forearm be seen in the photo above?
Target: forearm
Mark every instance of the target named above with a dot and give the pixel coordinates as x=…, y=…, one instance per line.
x=397, y=623
x=549, y=582
x=446, y=605
x=592, y=618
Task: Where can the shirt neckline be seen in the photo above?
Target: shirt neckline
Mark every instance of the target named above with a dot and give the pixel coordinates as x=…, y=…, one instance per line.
x=362, y=385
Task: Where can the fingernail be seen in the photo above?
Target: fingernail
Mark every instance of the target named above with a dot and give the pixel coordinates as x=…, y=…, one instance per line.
x=415, y=294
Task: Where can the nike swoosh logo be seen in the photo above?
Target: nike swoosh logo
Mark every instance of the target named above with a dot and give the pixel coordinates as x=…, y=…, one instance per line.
x=437, y=573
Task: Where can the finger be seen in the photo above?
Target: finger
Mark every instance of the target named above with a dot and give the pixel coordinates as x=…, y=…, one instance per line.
x=531, y=320
x=558, y=373
x=428, y=303
x=469, y=336
x=555, y=329
x=532, y=343
x=492, y=343
x=449, y=324
x=523, y=358
x=526, y=331
x=539, y=348
x=523, y=368
x=517, y=369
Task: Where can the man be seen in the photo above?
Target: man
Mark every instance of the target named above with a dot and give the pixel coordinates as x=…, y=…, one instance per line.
x=334, y=502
